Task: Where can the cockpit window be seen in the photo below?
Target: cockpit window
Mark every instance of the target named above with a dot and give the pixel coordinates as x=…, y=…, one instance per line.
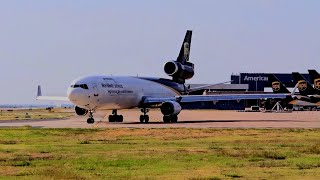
x=83, y=86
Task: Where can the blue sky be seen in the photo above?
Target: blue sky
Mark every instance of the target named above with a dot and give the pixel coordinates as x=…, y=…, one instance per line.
x=53, y=42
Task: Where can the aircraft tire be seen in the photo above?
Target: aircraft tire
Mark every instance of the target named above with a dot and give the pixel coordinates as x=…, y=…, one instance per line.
x=141, y=118
x=120, y=118
x=174, y=119
x=166, y=119
x=111, y=118
x=146, y=118
x=90, y=120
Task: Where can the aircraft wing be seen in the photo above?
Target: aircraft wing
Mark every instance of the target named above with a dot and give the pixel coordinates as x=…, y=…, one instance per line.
x=50, y=98
x=315, y=96
x=219, y=97
x=205, y=86
x=302, y=103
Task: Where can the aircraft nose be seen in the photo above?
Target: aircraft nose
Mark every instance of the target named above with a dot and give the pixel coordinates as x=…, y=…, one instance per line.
x=73, y=94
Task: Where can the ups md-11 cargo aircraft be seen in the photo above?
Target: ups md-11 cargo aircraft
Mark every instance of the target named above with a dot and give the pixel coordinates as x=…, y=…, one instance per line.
x=93, y=93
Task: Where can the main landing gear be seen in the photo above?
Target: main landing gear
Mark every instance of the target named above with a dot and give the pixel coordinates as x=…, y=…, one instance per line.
x=144, y=117
x=115, y=117
x=170, y=119
x=90, y=120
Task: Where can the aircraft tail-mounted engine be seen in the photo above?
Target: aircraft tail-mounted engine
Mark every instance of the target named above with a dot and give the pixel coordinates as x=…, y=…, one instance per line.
x=80, y=111
x=178, y=71
x=170, y=108
x=182, y=68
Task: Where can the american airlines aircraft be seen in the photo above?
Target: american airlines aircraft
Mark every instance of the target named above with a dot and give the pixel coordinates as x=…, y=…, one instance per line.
x=93, y=93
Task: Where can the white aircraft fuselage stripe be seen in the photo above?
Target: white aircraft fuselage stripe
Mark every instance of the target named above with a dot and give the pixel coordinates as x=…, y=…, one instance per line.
x=109, y=92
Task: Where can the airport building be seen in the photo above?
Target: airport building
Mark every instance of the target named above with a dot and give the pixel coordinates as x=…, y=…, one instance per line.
x=260, y=81
x=242, y=83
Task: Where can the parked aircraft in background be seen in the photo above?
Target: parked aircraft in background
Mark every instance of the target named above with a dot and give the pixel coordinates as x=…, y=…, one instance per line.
x=306, y=97
x=305, y=88
x=315, y=78
x=295, y=99
x=276, y=85
x=92, y=93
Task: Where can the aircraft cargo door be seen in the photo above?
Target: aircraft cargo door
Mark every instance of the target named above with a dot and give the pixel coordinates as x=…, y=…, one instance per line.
x=94, y=95
x=95, y=90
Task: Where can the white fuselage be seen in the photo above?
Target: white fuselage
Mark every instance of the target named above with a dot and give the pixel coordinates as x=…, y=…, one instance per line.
x=114, y=92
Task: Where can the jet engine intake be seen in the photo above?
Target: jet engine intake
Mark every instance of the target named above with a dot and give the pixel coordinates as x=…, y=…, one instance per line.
x=178, y=70
x=170, y=108
x=80, y=111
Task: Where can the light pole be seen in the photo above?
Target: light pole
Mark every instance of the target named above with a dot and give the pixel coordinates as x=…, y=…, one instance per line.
x=257, y=89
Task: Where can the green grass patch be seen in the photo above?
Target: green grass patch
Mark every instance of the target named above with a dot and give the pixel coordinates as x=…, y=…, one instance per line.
x=159, y=153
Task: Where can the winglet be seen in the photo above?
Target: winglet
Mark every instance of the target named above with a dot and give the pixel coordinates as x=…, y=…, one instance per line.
x=39, y=93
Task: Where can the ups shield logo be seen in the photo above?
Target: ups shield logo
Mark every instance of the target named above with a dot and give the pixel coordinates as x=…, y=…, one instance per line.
x=186, y=48
x=276, y=86
x=317, y=84
x=302, y=85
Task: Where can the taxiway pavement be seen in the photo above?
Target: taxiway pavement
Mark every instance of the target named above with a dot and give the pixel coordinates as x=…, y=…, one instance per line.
x=187, y=119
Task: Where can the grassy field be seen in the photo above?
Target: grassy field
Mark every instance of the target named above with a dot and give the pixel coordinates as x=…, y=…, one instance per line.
x=34, y=114
x=27, y=153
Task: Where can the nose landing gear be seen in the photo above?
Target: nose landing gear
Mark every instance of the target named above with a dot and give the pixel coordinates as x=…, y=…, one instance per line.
x=90, y=120
x=115, y=117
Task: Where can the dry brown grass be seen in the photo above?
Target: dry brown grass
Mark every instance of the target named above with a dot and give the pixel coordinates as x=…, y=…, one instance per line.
x=34, y=114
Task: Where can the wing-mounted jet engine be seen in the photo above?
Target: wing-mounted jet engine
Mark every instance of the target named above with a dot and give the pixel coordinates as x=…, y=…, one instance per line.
x=80, y=111
x=181, y=69
x=170, y=110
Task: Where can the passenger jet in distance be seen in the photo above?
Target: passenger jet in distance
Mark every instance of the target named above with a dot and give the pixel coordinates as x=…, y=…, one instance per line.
x=92, y=93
